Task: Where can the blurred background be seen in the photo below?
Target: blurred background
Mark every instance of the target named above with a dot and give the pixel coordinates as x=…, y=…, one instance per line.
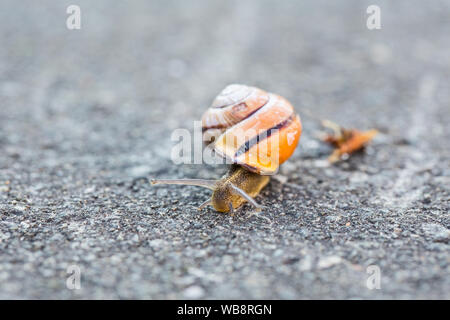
x=85, y=113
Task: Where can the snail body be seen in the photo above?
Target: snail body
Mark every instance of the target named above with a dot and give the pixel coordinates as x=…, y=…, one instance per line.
x=227, y=196
x=254, y=129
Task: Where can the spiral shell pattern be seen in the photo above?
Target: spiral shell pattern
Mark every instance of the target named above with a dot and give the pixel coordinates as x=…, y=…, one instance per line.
x=255, y=129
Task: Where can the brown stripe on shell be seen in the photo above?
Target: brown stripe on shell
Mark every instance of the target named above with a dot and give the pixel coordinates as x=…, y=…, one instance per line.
x=221, y=126
x=239, y=107
x=260, y=137
x=214, y=127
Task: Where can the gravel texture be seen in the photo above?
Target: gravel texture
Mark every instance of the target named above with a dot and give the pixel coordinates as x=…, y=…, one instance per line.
x=85, y=113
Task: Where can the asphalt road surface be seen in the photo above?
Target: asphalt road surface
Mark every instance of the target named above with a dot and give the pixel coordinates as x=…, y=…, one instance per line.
x=85, y=113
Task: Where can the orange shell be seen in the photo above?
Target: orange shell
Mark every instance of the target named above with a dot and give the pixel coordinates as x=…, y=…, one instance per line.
x=253, y=128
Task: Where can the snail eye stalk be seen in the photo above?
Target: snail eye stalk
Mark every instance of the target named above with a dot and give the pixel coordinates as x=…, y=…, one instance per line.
x=238, y=191
x=205, y=204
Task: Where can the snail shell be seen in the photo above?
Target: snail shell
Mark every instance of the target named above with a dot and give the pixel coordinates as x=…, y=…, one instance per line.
x=255, y=129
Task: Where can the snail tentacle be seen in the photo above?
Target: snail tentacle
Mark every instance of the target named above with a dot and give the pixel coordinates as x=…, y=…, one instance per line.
x=230, y=205
x=204, y=204
x=238, y=191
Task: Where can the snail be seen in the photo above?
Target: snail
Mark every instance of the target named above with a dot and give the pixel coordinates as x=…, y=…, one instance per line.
x=257, y=131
